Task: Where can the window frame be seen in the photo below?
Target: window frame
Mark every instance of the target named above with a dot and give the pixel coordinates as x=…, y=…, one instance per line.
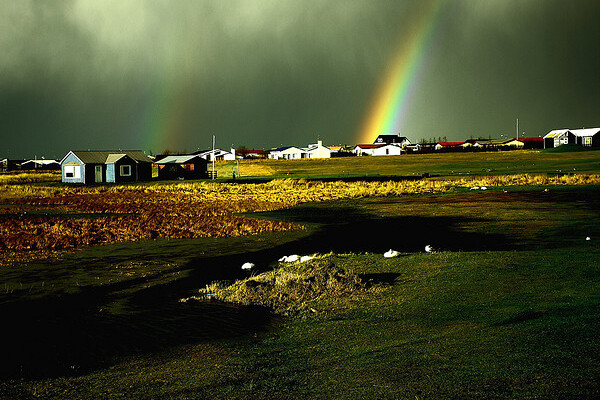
x=72, y=172
x=125, y=170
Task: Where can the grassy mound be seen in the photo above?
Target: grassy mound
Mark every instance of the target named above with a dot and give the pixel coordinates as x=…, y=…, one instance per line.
x=290, y=288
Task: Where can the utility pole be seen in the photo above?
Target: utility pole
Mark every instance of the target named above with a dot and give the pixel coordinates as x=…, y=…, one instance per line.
x=213, y=159
x=517, y=128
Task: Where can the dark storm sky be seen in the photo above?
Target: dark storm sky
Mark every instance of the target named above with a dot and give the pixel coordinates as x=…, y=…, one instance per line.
x=158, y=74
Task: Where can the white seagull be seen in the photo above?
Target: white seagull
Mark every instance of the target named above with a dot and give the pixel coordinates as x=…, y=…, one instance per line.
x=390, y=253
x=247, y=266
x=291, y=258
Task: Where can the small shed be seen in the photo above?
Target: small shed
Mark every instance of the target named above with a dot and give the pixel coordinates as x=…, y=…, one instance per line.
x=191, y=166
x=89, y=167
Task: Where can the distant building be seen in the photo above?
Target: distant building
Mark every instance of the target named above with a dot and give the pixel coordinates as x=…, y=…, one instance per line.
x=253, y=154
x=106, y=166
x=513, y=143
x=10, y=164
x=584, y=137
x=558, y=137
x=317, y=150
x=286, y=153
x=218, y=154
x=452, y=146
x=532, y=142
x=41, y=165
x=587, y=137
x=413, y=148
x=378, y=149
x=392, y=139
x=182, y=167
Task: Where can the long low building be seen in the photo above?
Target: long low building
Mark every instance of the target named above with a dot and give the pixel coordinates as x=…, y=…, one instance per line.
x=378, y=149
x=316, y=150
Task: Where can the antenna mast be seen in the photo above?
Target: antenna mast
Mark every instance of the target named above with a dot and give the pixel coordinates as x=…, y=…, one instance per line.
x=213, y=159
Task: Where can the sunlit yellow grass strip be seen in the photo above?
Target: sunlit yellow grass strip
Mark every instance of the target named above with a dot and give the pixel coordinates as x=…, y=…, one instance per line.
x=290, y=191
x=29, y=177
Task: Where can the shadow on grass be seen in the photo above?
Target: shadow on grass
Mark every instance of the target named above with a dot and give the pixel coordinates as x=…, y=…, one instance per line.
x=70, y=334
x=75, y=333
x=347, y=230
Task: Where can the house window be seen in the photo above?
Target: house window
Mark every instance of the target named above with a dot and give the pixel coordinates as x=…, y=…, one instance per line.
x=72, y=172
x=125, y=170
x=587, y=141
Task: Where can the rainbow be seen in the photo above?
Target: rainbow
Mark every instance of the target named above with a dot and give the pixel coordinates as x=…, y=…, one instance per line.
x=388, y=109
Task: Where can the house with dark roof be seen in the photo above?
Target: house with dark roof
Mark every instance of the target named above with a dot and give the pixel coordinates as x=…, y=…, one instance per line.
x=587, y=137
x=118, y=166
x=191, y=166
x=402, y=141
x=10, y=164
x=558, y=137
x=584, y=137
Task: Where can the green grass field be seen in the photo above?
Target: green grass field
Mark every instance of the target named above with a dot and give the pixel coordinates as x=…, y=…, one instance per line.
x=507, y=308
x=439, y=164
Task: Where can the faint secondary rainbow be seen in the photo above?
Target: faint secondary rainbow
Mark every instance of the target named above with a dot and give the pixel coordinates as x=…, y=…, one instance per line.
x=165, y=115
x=390, y=104
x=164, y=119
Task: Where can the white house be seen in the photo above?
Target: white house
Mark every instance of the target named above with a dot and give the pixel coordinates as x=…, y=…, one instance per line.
x=317, y=150
x=587, y=137
x=287, y=153
x=219, y=154
x=377, y=149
